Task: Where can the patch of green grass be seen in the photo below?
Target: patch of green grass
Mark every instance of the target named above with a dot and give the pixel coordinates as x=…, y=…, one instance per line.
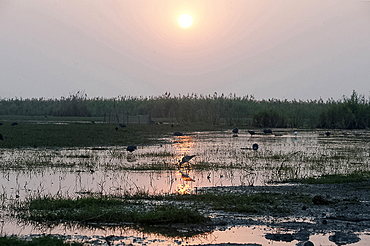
x=104, y=210
x=39, y=241
x=335, y=178
x=77, y=135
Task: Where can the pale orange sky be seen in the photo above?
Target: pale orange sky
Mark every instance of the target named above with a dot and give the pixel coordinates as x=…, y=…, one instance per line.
x=283, y=49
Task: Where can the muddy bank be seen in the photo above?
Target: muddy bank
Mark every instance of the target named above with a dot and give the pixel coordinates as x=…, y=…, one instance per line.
x=333, y=207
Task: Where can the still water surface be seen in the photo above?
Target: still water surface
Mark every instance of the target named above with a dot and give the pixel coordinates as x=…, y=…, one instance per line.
x=222, y=159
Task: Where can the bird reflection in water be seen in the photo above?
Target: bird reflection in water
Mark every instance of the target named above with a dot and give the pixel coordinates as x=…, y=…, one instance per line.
x=185, y=144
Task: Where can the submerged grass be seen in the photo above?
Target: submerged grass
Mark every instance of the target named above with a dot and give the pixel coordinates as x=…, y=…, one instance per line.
x=44, y=240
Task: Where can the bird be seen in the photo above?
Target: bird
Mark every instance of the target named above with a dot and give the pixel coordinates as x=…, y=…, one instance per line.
x=178, y=134
x=236, y=130
x=251, y=132
x=186, y=158
x=1, y=137
x=122, y=125
x=131, y=148
x=14, y=124
x=267, y=131
x=327, y=134
x=255, y=146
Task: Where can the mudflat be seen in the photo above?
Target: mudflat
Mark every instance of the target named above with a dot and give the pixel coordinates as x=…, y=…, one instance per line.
x=331, y=208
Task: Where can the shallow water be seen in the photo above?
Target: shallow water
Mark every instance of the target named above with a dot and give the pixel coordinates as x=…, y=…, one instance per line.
x=222, y=159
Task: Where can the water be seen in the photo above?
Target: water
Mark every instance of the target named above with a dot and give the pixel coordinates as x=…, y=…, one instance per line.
x=222, y=159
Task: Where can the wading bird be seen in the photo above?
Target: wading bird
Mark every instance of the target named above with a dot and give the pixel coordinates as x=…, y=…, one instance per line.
x=255, y=146
x=177, y=134
x=236, y=130
x=131, y=148
x=267, y=131
x=251, y=132
x=186, y=158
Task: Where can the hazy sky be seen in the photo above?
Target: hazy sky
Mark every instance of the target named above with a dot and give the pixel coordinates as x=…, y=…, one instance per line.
x=284, y=49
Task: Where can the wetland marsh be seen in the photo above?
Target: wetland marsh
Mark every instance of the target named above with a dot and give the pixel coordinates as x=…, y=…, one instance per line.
x=225, y=168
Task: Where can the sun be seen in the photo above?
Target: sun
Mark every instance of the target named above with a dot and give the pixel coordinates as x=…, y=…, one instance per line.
x=185, y=20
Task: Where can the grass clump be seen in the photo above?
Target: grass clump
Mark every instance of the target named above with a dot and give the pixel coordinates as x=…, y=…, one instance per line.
x=44, y=241
x=335, y=178
x=104, y=210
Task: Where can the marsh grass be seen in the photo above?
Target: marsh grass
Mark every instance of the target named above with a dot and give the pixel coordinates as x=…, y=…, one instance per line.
x=37, y=241
x=158, y=154
x=144, y=209
x=155, y=166
x=334, y=178
x=77, y=135
x=103, y=209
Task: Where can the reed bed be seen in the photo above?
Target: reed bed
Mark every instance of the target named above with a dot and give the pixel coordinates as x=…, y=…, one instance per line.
x=208, y=110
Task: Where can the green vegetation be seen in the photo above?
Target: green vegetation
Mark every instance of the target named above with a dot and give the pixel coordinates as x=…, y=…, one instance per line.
x=334, y=178
x=77, y=135
x=349, y=113
x=38, y=241
x=211, y=110
x=151, y=210
x=104, y=210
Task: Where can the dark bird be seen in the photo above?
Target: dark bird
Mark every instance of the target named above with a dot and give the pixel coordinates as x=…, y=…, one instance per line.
x=178, y=134
x=14, y=124
x=116, y=128
x=131, y=148
x=1, y=124
x=236, y=130
x=1, y=137
x=327, y=134
x=267, y=131
x=122, y=125
x=186, y=158
x=255, y=146
x=251, y=132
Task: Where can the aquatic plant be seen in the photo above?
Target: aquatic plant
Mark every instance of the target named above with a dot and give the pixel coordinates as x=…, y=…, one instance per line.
x=103, y=209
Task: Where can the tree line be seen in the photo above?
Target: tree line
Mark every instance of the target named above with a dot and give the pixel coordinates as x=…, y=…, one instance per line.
x=347, y=113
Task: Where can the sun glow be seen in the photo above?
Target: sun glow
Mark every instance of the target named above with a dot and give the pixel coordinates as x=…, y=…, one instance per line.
x=185, y=20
